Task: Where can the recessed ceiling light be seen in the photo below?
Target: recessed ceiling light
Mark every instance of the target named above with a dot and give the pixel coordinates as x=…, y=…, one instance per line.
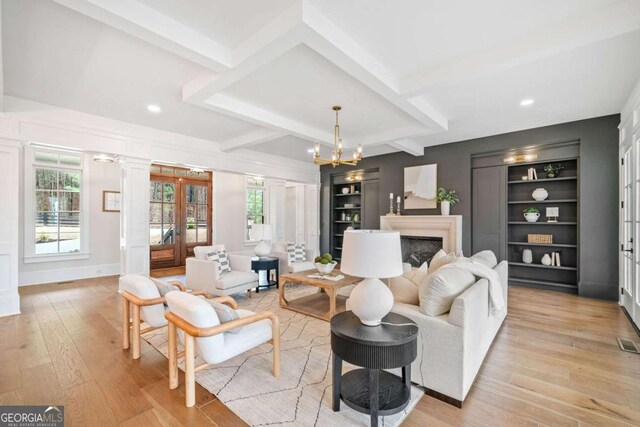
x=526, y=102
x=153, y=108
x=310, y=150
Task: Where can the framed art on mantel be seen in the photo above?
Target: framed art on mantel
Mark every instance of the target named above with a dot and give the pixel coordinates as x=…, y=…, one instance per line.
x=420, y=187
x=110, y=201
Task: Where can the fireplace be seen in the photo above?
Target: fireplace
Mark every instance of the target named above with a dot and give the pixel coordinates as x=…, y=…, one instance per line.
x=447, y=229
x=419, y=249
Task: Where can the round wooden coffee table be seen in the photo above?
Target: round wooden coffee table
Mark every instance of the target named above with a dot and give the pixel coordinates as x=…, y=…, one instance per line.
x=372, y=390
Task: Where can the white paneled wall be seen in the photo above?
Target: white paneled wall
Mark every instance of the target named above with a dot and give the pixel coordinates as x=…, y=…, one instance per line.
x=305, y=212
x=134, y=216
x=9, y=197
x=276, y=190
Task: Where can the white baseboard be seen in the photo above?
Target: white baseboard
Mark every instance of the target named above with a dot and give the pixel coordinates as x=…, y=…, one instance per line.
x=29, y=278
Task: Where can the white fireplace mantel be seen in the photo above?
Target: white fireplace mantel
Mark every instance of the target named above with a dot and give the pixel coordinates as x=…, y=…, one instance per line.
x=449, y=228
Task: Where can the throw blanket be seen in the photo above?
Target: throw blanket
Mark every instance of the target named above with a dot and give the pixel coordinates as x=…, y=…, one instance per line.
x=496, y=296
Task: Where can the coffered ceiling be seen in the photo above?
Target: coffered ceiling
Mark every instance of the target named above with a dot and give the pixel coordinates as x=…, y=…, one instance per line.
x=263, y=75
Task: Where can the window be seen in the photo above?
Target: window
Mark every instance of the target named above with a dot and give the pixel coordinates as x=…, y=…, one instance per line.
x=255, y=204
x=55, y=206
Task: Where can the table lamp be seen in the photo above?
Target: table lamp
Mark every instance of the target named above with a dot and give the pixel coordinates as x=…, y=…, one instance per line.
x=262, y=232
x=374, y=255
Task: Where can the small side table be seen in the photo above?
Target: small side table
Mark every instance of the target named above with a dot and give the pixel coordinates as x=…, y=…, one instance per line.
x=372, y=390
x=267, y=263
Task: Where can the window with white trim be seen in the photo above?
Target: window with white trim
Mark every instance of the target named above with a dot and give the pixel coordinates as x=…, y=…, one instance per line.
x=255, y=192
x=56, y=205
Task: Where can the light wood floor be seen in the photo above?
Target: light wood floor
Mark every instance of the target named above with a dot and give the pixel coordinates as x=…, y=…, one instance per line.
x=555, y=362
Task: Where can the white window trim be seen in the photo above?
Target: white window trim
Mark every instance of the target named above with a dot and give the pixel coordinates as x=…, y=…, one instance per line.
x=265, y=211
x=30, y=201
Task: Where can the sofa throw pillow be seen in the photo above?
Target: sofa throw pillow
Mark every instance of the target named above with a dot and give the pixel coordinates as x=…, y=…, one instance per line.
x=417, y=275
x=296, y=252
x=222, y=259
x=487, y=258
x=440, y=259
x=225, y=314
x=404, y=290
x=440, y=288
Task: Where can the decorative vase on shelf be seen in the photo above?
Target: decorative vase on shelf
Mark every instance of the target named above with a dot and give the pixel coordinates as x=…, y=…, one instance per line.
x=527, y=256
x=531, y=216
x=539, y=194
x=551, y=175
x=345, y=190
x=546, y=260
x=445, y=207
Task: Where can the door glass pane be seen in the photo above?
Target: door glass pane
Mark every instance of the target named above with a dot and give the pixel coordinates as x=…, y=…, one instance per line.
x=169, y=190
x=155, y=213
x=190, y=191
x=202, y=232
x=168, y=212
x=191, y=231
x=202, y=194
x=168, y=234
x=155, y=234
x=202, y=213
x=156, y=192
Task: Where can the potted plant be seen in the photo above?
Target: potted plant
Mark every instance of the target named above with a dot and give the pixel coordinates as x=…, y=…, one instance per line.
x=553, y=170
x=446, y=198
x=531, y=214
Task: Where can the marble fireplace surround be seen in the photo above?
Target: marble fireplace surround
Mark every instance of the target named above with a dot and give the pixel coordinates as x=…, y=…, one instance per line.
x=449, y=228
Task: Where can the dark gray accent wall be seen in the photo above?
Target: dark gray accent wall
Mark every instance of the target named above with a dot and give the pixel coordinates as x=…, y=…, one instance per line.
x=598, y=189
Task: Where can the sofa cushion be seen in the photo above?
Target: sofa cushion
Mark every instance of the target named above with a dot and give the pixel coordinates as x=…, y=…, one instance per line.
x=404, y=290
x=439, y=290
x=417, y=275
x=222, y=259
x=296, y=252
x=236, y=278
x=145, y=288
x=487, y=258
x=225, y=314
x=440, y=259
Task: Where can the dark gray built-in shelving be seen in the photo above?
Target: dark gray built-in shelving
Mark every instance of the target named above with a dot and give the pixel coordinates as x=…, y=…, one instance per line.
x=563, y=193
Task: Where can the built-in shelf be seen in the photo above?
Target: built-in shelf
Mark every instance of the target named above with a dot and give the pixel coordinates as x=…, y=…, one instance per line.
x=550, y=245
x=345, y=208
x=347, y=222
x=531, y=181
x=540, y=223
x=337, y=248
x=533, y=202
x=543, y=282
x=348, y=194
x=553, y=267
x=338, y=235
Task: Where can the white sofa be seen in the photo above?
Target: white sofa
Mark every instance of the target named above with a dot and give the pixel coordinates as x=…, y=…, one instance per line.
x=279, y=249
x=452, y=346
x=203, y=274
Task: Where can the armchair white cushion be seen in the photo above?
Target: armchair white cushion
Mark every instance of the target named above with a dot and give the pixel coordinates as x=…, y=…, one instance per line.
x=220, y=347
x=204, y=274
x=279, y=249
x=144, y=288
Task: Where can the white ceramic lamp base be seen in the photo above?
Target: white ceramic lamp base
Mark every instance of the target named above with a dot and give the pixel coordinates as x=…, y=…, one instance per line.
x=262, y=248
x=371, y=300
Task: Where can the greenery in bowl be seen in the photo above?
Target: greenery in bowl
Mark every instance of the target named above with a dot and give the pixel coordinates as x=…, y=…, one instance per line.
x=554, y=169
x=445, y=195
x=531, y=210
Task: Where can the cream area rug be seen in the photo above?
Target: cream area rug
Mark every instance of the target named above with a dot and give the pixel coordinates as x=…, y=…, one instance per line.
x=302, y=394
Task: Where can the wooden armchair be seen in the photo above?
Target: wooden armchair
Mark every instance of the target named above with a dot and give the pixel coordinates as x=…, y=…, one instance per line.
x=200, y=324
x=141, y=300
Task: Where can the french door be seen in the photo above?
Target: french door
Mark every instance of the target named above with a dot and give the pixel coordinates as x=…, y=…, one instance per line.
x=179, y=216
x=630, y=228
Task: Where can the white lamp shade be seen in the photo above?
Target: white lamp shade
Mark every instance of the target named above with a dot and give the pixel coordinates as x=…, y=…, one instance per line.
x=261, y=232
x=371, y=254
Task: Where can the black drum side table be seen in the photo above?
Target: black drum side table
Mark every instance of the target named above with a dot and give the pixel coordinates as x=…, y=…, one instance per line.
x=372, y=390
x=267, y=263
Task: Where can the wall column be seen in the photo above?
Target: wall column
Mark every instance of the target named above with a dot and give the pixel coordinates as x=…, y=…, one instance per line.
x=9, y=216
x=277, y=213
x=134, y=216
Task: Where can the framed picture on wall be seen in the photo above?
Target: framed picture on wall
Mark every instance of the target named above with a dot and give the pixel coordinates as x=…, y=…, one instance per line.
x=420, y=187
x=110, y=201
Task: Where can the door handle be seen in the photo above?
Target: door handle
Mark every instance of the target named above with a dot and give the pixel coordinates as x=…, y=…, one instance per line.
x=628, y=250
x=178, y=231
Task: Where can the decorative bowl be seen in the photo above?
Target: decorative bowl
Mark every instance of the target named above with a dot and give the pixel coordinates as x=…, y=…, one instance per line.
x=326, y=268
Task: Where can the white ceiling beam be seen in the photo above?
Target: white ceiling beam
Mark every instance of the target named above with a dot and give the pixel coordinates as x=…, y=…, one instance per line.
x=151, y=26
x=408, y=146
x=600, y=24
x=250, y=139
x=386, y=136
x=258, y=116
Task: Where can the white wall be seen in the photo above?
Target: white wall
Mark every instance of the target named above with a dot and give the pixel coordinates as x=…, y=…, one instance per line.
x=104, y=235
x=291, y=214
x=229, y=211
